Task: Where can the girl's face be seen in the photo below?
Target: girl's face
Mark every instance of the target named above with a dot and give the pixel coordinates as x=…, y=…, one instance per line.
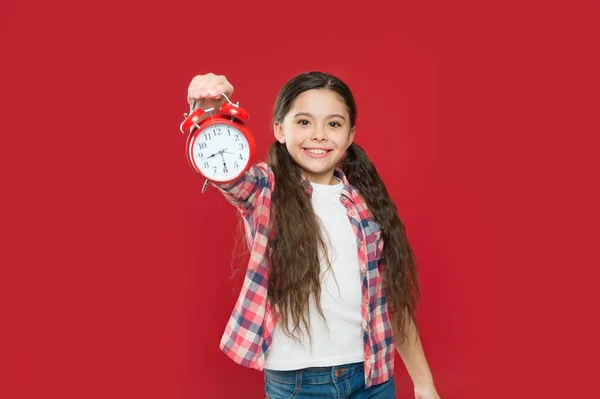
x=317, y=133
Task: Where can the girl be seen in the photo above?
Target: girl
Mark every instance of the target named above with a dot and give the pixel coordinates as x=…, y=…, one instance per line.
x=331, y=286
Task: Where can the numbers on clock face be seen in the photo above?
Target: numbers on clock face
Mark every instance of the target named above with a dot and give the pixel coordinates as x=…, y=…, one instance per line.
x=220, y=151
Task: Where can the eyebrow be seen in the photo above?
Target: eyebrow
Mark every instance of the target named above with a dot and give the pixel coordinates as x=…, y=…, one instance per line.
x=329, y=116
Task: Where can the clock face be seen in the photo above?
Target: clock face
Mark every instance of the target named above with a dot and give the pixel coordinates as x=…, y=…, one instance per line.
x=220, y=151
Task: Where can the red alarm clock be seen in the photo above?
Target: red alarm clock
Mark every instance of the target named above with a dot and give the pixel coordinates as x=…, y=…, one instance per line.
x=219, y=147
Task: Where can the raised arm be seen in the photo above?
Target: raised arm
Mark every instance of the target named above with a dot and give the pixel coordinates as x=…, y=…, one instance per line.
x=205, y=91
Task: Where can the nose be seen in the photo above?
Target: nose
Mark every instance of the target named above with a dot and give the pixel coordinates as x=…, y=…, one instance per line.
x=319, y=134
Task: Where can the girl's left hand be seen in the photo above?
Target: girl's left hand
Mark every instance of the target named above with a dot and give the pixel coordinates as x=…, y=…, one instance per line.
x=427, y=392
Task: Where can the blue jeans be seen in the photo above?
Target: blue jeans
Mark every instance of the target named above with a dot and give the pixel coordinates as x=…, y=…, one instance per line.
x=339, y=382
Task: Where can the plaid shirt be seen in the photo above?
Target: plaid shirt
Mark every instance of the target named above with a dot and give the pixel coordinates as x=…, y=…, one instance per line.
x=248, y=333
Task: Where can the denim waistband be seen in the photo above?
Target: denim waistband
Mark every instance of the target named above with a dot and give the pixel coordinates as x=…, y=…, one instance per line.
x=314, y=375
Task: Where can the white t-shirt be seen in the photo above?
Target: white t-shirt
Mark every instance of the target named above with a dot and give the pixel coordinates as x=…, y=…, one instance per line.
x=340, y=341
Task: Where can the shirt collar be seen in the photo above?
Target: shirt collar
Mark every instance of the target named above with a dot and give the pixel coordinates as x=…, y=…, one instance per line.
x=347, y=191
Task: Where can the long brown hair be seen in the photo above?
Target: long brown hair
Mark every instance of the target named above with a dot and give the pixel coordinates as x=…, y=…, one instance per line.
x=294, y=274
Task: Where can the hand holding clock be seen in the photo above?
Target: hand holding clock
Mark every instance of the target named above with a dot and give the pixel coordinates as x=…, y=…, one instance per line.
x=206, y=91
x=216, y=126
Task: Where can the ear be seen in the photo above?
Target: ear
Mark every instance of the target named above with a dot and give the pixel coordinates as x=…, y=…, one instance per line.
x=351, y=136
x=278, y=132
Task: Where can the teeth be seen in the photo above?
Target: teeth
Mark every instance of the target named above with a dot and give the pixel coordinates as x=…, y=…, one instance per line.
x=317, y=152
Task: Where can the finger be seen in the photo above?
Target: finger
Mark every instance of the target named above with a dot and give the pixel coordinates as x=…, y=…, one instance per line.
x=193, y=94
x=192, y=90
x=198, y=88
x=214, y=85
x=227, y=88
x=199, y=91
x=216, y=91
x=219, y=85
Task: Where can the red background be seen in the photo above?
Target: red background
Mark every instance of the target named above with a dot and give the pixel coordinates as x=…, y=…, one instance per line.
x=482, y=117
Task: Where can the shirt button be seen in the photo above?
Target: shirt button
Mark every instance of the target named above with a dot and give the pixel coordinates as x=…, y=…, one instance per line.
x=353, y=213
x=366, y=301
x=363, y=269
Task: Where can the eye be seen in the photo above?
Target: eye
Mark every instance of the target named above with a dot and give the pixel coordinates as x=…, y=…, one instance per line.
x=334, y=124
x=302, y=122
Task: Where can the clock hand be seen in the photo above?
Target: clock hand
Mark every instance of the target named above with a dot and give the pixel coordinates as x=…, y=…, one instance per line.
x=210, y=156
x=224, y=150
x=223, y=158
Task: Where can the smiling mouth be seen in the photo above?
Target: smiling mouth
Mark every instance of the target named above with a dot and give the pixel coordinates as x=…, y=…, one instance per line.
x=314, y=151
